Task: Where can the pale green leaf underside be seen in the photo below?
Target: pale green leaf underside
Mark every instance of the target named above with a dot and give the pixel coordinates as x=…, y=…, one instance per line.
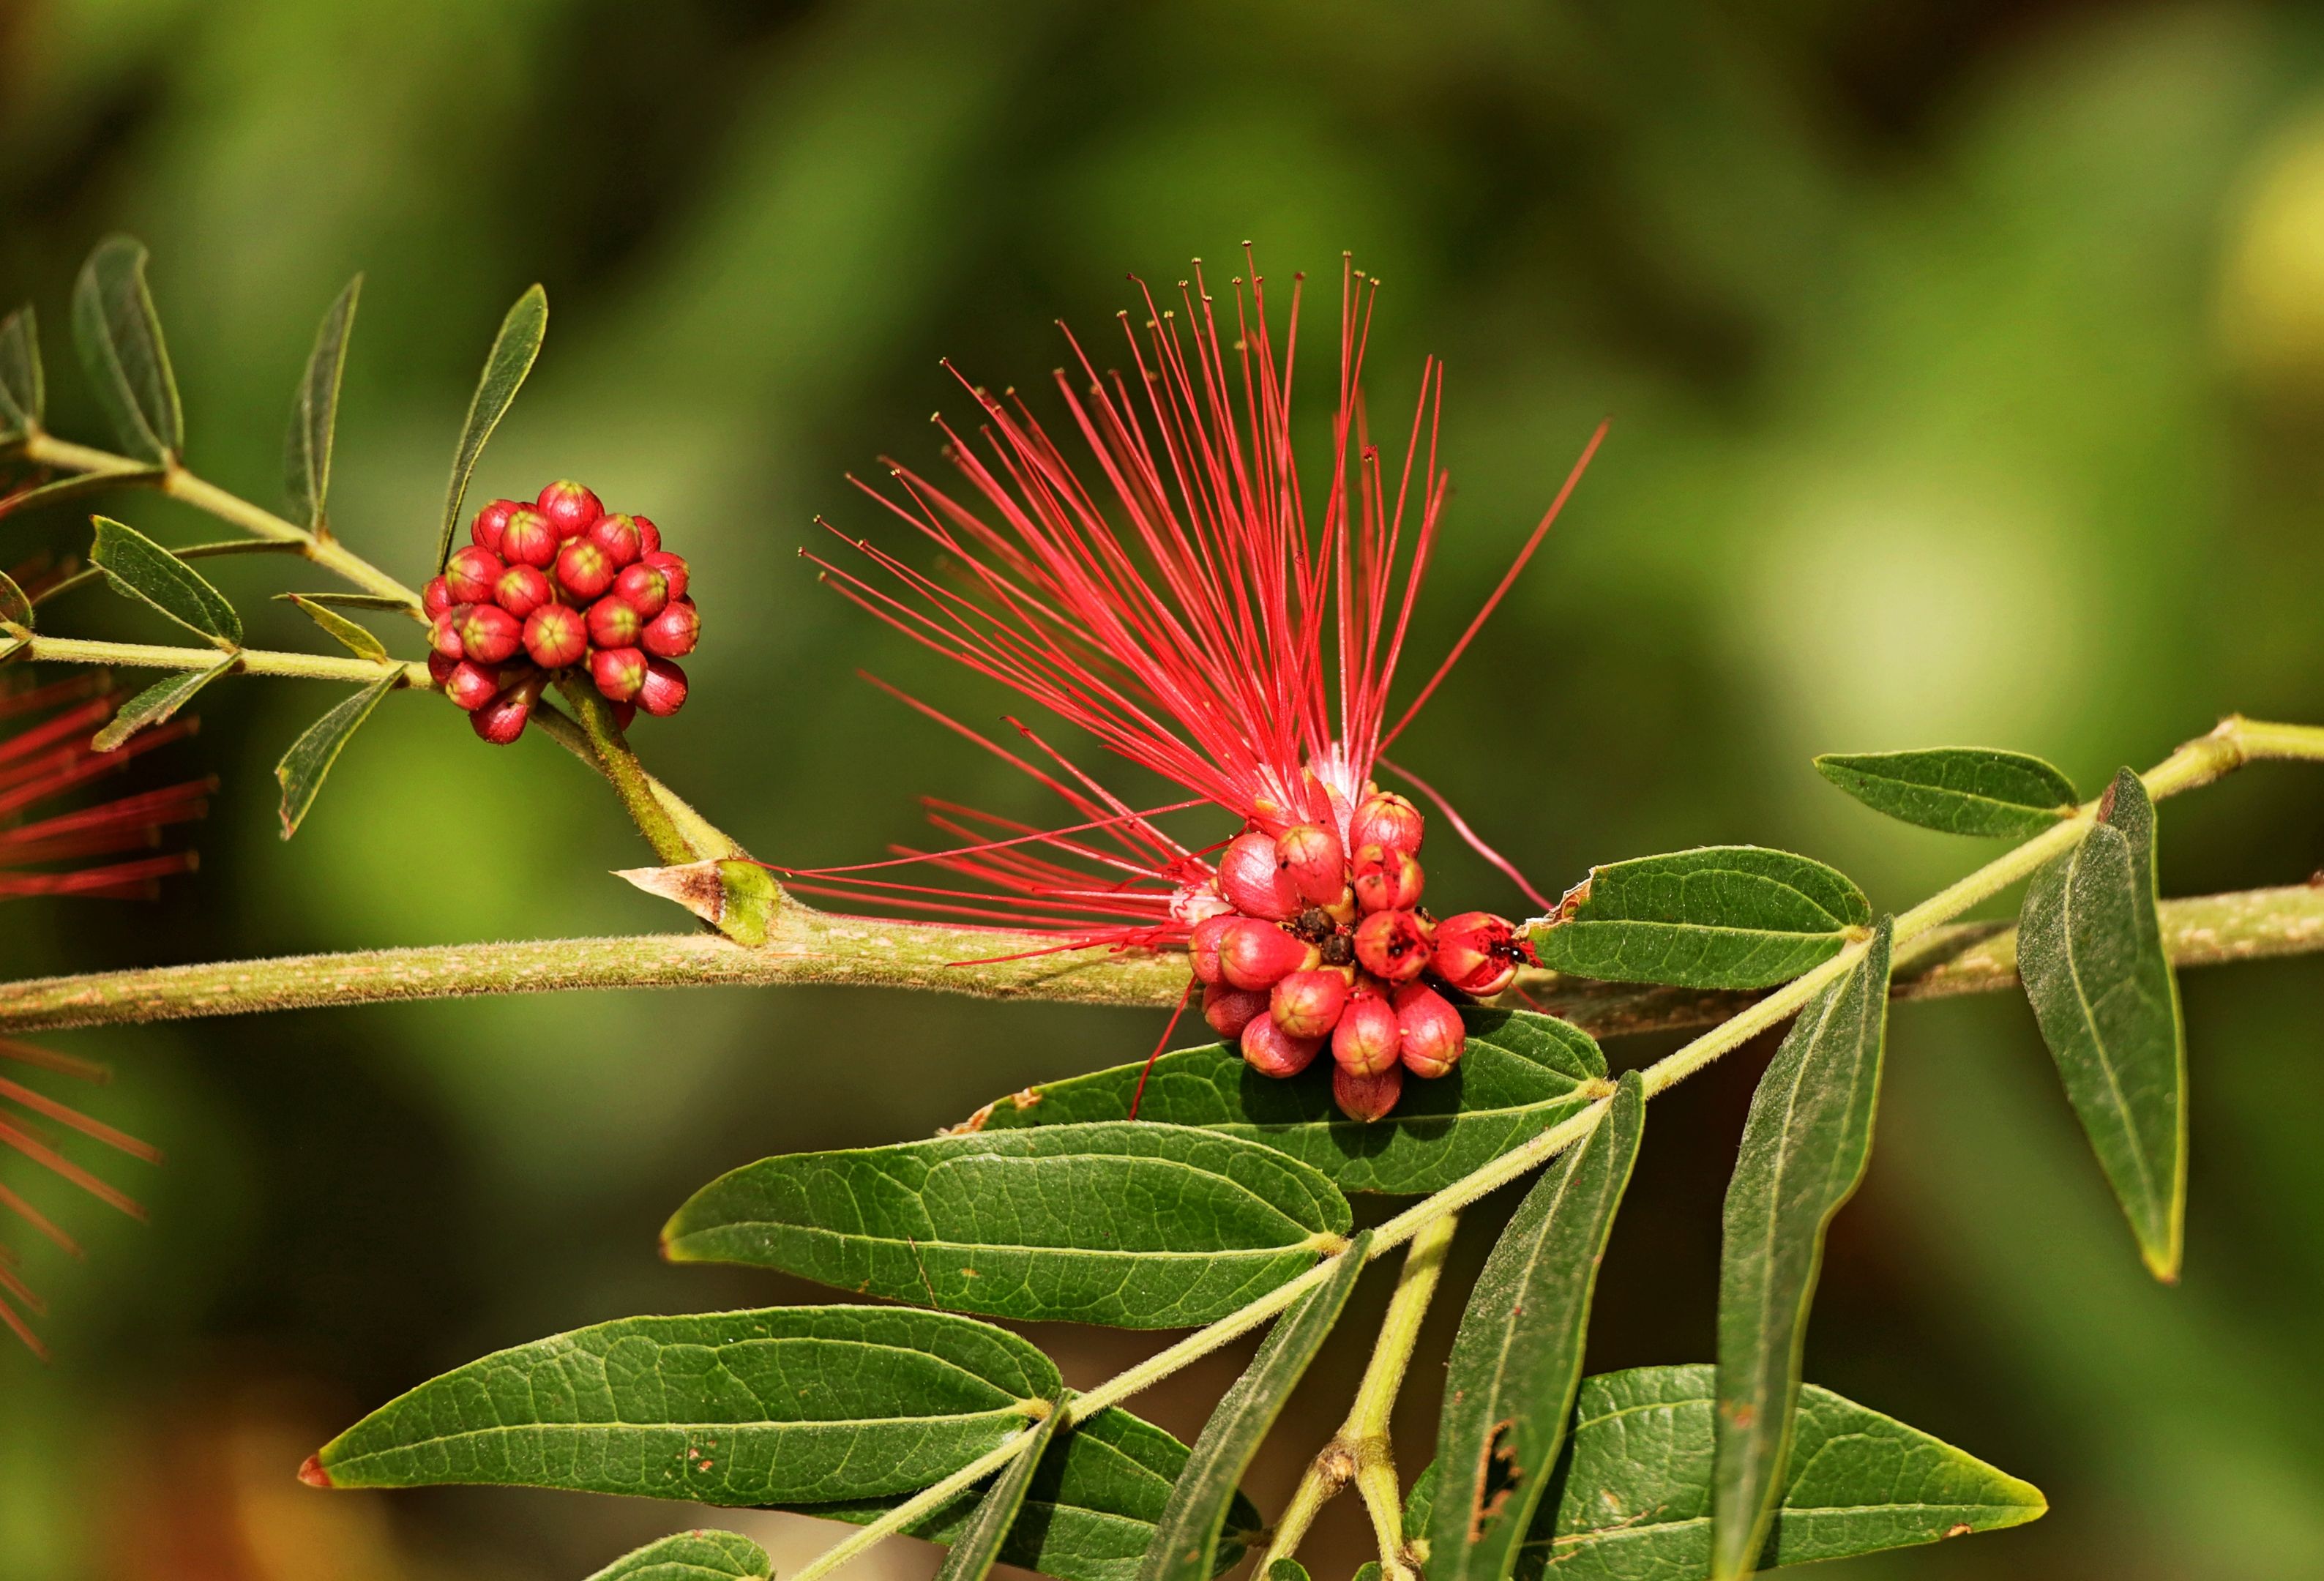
x=2089, y=949
x=1717, y=917
x=315, y=412
x=693, y=1556
x=1137, y=1225
x=1956, y=789
x=24, y=396
x=1631, y=1499
x=786, y=1405
x=1516, y=1358
x=355, y=639
x=505, y=368
x=157, y=703
x=308, y=762
x=119, y=337
x=1520, y=1075
x=1805, y=1143
x=1091, y=1510
x=141, y=568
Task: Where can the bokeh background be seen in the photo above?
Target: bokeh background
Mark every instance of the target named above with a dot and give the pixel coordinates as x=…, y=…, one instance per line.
x=1966, y=369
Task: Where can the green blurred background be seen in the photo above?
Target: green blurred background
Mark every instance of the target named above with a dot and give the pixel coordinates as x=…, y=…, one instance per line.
x=1966, y=369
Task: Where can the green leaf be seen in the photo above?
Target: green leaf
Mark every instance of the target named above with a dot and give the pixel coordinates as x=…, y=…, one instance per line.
x=787, y=1405
x=2089, y=949
x=1631, y=1500
x=356, y=600
x=352, y=637
x=693, y=1556
x=24, y=396
x=1091, y=1511
x=142, y=570
x=1293, y=1570
x=973, y=1553
x=1522, y=1074
x=64, y=491
x=1956, y=789
x=315, y=412
x=304, y=767
x=1717, y=917
x=119, y=337
x=1516, y=1359
x=1136, y=1226
x=511, y=359
x=1805, y=1143
x=1186, y=1538
x=157, y=702
x=15, y=608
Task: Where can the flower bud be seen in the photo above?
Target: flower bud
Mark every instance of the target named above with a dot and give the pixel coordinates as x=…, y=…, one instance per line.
x=672, y=567
x=1306, y=1005
x=435, y=597
x=440, y=667
x=1434, y=1035
x=618, y=537
x=1387, y=878
x=1230, y=1010
x=642, y=588
x=470, y=574
x=1367, y=1097
x=649, y=535
x=1253, y=953
x=527, y=538
x=1315, y=861
x=484, y=531
x=471, y=685
x=1393, y=946
x=1477, y=952
x=555, y=636
x=1367, y=1040
x=1387, y=820
x=444, y=632
x=624, y=714
x=1203, y=947
x=672, y=633
x=613, y=624
x=619, y=672
x=1270, y=1051
x=663, y=691
x=503, y=719
x=1251, y=877
x=583, y=569
x=570, y=508
x=489, y=634
x=521, y=589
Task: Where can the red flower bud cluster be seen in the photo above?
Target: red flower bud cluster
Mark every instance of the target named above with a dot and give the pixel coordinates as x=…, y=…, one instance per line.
x=552, y=585
x=1317, y=936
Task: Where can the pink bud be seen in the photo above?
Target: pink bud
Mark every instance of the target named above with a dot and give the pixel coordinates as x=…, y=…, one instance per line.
x=618, y=537
x=1251, y=877
x=613, y=624
x=649, y=534
x=672, y=633
x=440, y=668
x=1253, y=953
x=1388, y=879
x=1387, y=820
x=671, y=566
x=582, y=568
x=619, y=672
x=1230, y=1010
x=555, y=636
x=1202, y=945
x=521, y=590
x=444, y=632
x=1477, y=952
x=471, y=685
x=1393, y=946
x=1433, y=1035
x=1367, y=1097
x=527, y=539
x=663, y=691
x=435, y=597
x=1306, y=1005
x=642, y=588
x=485, y=530
x=569, y=507
x=1270, y=1051
x=1367, y=1041
x=489, y=634
x=503, y=719
x=470, y=574
x=1311, y=856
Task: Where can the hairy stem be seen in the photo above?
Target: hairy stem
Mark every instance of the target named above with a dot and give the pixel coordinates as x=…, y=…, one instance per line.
x=255, y=660
x=628, y=776
x=705, y=837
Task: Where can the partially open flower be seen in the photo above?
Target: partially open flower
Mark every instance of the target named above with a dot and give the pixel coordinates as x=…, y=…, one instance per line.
x=1387, y=820
x=1387, y=878
x=1477, y=952
x=1394, y=946
x=1312, y=858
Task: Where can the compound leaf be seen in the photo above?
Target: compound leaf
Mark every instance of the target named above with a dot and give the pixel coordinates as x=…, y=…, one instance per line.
x=786, y=1405
x=119, y=337
x=315, y=412
x=352, y=637
x=142, y=570
x=1717, y=917
x=303, y=767
x=1136, y=1226
x=693, y=1556
x=1956, y=789
x=1805, y=1143
x=157, y=703
x=1521, y=1074
x=1516, y=1359
x=505, y=368
x=24, y=393
x=2089, y=949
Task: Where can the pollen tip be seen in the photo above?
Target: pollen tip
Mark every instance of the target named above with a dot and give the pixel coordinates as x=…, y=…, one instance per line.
x=311, y=1472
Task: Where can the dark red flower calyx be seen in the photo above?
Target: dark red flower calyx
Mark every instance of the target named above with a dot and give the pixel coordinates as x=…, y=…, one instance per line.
x=435, y=598
x=1367, y=1097
x=556, y=635
x=571, y=508
x=663, y=691
x=503, y=719
x=618, y=537
x=672, y=567
x=1432, y=1035
x=618, y=673
x=444, y=632
x=471, y=574
x=1479, y=953
x=643, y=588
x=471, y=685
x=522, y=590
x=490, y=635
x=649, y=535
x=583, y=569
x=672, y=633
x=1395, y=947
x=529, y=539
x=486, y=531
x=613, y=625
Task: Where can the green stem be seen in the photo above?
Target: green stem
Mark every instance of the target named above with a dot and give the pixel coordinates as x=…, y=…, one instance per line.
x=628, y=778
x=916, y=1508
x=255, y=660
x=704, y=837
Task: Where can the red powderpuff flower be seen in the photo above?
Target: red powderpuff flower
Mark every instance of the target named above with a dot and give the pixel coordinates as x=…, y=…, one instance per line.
x=1183, y=595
